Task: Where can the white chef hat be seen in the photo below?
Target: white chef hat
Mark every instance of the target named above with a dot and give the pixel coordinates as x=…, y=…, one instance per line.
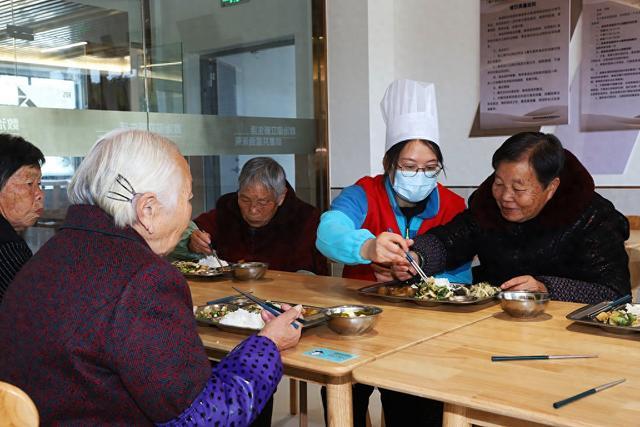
x=409, y=111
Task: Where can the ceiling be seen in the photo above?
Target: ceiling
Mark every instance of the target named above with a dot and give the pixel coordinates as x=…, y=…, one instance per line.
x=55, y=23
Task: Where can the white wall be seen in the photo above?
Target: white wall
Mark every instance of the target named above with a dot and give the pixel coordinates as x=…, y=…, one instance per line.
x=372, y=42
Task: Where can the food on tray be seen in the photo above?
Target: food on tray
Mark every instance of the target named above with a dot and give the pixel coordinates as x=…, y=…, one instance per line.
x=483, y=290
x=242, y=318
x=437, y=289
x=398, y=291
x=212, y=312
x=190, y=267
x=627, y=316
x=212, y=262
x=633, y=309
x=306, y=311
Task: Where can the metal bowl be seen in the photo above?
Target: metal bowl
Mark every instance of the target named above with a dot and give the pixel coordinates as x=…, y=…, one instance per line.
x=249, y=270
x=360, y=324
x=523, y=304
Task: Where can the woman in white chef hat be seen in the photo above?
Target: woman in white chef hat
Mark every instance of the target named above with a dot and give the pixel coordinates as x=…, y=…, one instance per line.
x=377, y=217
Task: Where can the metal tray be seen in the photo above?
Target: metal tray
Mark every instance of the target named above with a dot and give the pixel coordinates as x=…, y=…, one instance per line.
x=372, y=290
x=205, y=273
x=586, y=315
x=315, y=318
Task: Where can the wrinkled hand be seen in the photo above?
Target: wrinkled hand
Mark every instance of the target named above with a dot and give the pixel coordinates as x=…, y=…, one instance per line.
x=279, y=329
x=382, y=272
x=403, y=270
x=524, y=283
x=386, y=248
x=199, y=242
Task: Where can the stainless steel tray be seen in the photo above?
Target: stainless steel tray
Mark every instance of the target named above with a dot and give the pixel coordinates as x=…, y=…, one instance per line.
x=586, y=315
x=314, y=317
x=373, y=291
x=204, y=273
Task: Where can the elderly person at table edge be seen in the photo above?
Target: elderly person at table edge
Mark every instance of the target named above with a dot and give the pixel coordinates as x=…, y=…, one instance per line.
x=98, y=328
x=263, y=221
x=21, y=202
x=536, y=224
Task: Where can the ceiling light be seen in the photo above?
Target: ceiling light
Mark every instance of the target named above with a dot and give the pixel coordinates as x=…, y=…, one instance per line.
x=66, y=46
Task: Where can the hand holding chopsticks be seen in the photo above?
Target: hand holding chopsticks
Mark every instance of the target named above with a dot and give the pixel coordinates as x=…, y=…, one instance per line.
x=276, y=311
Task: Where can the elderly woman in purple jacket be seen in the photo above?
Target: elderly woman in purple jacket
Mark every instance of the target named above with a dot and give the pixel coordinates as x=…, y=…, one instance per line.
x=99, y=328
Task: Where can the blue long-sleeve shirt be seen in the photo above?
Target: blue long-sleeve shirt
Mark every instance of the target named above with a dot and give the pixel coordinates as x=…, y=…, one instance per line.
x=340, y=236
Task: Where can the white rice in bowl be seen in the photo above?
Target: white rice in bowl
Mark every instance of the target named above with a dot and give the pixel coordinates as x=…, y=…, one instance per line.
x=242, y=318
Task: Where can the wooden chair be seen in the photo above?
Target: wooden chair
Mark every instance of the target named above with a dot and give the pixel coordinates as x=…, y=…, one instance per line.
x=16, y=408
x=634, y=222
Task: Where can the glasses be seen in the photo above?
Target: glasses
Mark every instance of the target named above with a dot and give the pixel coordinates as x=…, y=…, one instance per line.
x=260, y=203
x=412, y=170
x=126, y=185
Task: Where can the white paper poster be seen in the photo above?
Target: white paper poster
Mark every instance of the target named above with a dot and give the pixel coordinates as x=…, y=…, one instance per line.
x=610, y=68
x=524, y=63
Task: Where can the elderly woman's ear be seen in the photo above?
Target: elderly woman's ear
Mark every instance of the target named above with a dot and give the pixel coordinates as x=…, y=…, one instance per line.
x=552, y=187
x=280, y=200
x=147, y=208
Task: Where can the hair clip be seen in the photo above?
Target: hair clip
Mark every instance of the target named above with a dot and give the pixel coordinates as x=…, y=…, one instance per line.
x=124, y=183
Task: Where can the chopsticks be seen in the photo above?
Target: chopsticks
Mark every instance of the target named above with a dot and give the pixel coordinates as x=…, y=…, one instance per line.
x=276, y=311
x=626, y=298
x=589, y=392
x=415, y=265
x=542, y=357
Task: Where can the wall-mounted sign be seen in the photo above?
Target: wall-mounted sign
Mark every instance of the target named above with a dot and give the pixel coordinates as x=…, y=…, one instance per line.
x=524, y=63
x=610, y=68
x=225, y=3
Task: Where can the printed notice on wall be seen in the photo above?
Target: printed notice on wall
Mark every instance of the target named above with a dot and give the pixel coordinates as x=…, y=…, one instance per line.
x=524, y=63
x=610, y=68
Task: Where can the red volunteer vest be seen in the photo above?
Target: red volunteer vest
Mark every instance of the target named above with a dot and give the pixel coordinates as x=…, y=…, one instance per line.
x=380, y=217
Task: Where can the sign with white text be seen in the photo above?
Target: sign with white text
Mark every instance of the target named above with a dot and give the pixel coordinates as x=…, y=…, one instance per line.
x=524, y=63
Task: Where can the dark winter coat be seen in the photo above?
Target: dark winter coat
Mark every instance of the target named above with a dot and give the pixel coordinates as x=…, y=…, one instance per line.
x=287, y=242
x=98, y=329
x=575, y=245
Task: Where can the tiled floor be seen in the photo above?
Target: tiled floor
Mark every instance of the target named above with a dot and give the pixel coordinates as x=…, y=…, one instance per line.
x=281, y=417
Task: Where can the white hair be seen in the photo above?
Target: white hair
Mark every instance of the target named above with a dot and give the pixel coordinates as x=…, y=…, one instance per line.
x=146, y=161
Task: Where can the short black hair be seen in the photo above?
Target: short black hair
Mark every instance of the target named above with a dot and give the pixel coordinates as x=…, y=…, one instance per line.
x=392, y=155
x=543, y=150
x=16, y=152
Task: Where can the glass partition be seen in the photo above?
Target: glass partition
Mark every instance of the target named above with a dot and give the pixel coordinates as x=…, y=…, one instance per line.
x=209, y=77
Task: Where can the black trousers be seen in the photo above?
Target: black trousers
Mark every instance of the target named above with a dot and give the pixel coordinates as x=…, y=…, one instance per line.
x=264, y=419
x=400, y=409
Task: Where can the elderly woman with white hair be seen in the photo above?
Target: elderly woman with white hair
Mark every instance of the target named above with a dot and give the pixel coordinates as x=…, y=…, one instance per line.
x=99, y=328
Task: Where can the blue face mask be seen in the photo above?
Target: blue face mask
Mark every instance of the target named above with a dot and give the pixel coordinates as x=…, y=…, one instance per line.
x=414, y=188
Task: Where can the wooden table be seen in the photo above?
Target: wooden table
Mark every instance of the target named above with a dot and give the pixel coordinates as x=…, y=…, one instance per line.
x=456, y=368
x=632, y=245
x=400, y=326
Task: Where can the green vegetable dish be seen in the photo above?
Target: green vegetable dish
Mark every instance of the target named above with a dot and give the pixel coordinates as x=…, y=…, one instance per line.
x=618, y=317
x=442, y=290
x=213, y=312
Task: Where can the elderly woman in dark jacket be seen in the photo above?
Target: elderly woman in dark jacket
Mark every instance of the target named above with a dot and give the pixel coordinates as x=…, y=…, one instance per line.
x=98, y=328
x=535, y=224
x=262, y=221
x=21, y=202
